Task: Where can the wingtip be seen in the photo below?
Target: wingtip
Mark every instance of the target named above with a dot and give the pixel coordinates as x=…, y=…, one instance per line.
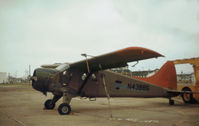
x=154, y=53
x=160, y=55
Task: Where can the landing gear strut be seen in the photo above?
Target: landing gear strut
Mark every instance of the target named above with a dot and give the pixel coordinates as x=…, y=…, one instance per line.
x=64, y=108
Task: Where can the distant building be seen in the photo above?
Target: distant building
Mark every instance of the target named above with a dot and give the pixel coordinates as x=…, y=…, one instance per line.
x=3, y=77
x=186, y=78
x=145, y=73
x=122, y=70
x=14, y=80
x=181, y=78
x=126, y=71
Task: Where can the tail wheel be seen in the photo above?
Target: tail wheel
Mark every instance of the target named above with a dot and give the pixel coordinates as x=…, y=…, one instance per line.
x=64, y=109
x=187, y=98
x=171, y=102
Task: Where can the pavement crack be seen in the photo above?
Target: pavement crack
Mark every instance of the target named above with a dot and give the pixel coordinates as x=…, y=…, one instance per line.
x=12, y=118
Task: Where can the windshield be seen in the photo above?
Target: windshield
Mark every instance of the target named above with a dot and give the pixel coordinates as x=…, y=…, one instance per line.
x=62, y=67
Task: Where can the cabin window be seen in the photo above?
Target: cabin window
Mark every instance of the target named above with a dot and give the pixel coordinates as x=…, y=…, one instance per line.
x=62, y=67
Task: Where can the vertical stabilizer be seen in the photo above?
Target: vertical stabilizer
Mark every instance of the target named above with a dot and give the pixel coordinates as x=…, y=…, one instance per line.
x=165, y=77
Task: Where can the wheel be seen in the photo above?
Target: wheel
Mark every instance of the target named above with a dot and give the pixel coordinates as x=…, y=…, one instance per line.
x=171, y=102
x=49, y=104
x=187, y=98
x=64, y=109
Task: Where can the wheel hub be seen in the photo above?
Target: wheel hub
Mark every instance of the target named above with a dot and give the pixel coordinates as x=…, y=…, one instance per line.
x=65, y=109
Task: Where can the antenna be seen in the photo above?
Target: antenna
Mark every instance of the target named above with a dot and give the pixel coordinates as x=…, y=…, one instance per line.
x=29, y=76
x=29, y=70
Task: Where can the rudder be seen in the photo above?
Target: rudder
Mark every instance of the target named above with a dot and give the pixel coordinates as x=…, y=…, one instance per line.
x=165, y=77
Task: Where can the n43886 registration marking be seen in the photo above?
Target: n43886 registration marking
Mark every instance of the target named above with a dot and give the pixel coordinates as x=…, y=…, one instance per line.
x=131, y=86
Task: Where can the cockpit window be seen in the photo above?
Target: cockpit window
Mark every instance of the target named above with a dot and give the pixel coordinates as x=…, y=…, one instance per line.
x=62, y=67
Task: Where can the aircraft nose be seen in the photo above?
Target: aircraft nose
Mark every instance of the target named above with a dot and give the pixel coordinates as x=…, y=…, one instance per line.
x=40, y=79
x=34, y=79
x=35, y=83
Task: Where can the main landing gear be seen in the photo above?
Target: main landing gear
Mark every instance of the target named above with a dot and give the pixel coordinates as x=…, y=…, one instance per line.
x=50, y=103
x=64, y=108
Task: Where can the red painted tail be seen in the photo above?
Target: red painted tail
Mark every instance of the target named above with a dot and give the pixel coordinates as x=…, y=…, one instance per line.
x=165, y=77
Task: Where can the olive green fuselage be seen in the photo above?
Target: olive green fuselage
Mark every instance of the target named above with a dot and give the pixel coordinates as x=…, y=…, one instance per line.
x=117, y=85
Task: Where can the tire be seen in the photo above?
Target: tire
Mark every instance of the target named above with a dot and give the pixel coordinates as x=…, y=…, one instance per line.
x=171, y=102
x=187, y=98
x=49, y=104
x=64, y=109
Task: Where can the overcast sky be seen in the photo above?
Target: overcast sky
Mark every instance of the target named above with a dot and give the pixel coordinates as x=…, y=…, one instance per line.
x=40, y=32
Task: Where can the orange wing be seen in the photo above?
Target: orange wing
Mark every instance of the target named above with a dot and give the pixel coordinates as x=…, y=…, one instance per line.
x=115, y=59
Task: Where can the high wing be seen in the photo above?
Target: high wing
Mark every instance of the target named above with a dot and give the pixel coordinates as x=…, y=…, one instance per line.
x=115, y=59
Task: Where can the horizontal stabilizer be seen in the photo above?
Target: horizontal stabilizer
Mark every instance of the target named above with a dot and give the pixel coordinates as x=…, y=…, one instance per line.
x=176, y=93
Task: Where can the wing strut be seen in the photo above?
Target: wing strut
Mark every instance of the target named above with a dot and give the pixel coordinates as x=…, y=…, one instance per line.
x=107, y=94
x=87, y=77
x=85, y=55
x=108, y=97
x=104, y=82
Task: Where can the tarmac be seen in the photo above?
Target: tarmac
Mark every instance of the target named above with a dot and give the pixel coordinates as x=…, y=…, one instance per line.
x=20, y=105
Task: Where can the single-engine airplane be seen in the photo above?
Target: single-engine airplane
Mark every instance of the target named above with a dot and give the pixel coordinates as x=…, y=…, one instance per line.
x=91, y=78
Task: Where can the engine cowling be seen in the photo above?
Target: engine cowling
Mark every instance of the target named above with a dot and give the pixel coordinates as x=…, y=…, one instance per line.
x=41, y=79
